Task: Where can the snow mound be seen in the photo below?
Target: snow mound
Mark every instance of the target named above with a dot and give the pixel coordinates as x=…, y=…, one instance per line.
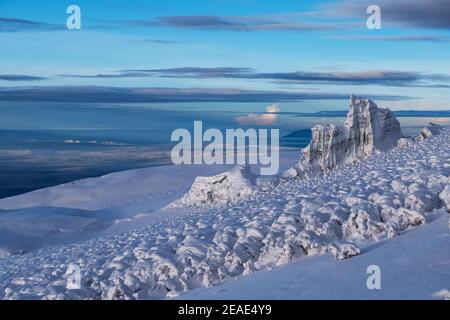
x=404, y=142
x=227, y=187
x=367, y=128
x=442, y=294
x=432, y=129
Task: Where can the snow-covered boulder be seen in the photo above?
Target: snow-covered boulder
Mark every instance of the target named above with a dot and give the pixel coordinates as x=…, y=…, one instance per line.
x=227, y=187
x=343, y=250
x=404, y=142
x=367, y=128
x=432, y=129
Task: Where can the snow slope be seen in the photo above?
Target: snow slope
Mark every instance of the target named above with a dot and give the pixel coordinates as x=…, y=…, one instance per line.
x=382, y=196
x=115, y=189
x=92, y=207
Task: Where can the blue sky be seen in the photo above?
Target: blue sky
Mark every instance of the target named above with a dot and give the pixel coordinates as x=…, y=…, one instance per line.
x=226, y=50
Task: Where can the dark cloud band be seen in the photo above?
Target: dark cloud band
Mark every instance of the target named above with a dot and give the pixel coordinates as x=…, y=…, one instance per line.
x=233, y=24
x=428, y=14
x=18, y=25
x=93, y=94
x=387, y=78
x=19, y=77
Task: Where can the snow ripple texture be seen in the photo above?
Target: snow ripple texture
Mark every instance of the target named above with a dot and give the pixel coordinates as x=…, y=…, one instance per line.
x=375, y=198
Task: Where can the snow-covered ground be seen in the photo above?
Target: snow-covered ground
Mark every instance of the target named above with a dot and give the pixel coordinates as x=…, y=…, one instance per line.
x=92, y=207
x=415, y=265
x=178, y=249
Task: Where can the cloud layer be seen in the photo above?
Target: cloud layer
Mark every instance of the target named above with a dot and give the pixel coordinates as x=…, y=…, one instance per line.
x=19, y=77
x=403, y=38
x=18, y=25
x=93, y=94
x=371, y=77
x=426, y=14
x=232, y=23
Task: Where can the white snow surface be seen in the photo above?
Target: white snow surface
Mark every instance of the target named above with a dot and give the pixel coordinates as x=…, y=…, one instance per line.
x=413, y=266
x=176, y=250
x=88, y=208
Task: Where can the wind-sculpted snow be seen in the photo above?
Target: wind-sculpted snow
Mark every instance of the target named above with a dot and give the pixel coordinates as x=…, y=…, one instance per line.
x=223, y=188
x=376, y=198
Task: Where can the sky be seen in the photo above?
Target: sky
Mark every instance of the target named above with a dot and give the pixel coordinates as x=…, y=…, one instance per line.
x=226, y=50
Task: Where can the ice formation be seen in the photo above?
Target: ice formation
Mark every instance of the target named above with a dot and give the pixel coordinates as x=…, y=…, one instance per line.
x=367, y=128
x=227, y=187
x=445, y=197
x=430, y=130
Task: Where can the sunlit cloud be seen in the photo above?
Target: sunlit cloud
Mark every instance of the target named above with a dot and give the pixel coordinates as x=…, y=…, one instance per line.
x=266, y=119
x=441, y=120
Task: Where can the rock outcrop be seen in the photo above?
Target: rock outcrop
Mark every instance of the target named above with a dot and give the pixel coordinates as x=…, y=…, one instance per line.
x=223, y=188
x=367, y=128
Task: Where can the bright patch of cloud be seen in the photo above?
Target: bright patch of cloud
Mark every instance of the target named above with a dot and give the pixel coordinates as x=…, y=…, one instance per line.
x=265, y=119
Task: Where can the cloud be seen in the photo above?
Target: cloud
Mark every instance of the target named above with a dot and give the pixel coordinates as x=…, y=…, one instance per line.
x=19, y=77
x=184, y=72
x=265, y=119
x=94, y=94
x=371, y=77
x=233, y=23
x=161, y=41
x=195, y=72
x=408, y=38
x=426, y=14
x=67, y=158
x=18, y=25
x=441, y=120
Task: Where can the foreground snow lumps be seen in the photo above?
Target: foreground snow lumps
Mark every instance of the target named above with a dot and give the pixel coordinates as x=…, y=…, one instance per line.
x=223, y=188
x=413, y=266
x=376, y=198
x=442, y=294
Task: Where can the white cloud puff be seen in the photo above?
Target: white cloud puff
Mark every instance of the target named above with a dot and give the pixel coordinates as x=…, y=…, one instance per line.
x=265, y=119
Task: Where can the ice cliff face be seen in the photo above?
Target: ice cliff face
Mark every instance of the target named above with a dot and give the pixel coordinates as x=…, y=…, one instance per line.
x=367, y=128
x=223, y=188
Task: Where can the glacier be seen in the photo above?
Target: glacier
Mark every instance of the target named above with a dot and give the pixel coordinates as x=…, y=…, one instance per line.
x=368, y=196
